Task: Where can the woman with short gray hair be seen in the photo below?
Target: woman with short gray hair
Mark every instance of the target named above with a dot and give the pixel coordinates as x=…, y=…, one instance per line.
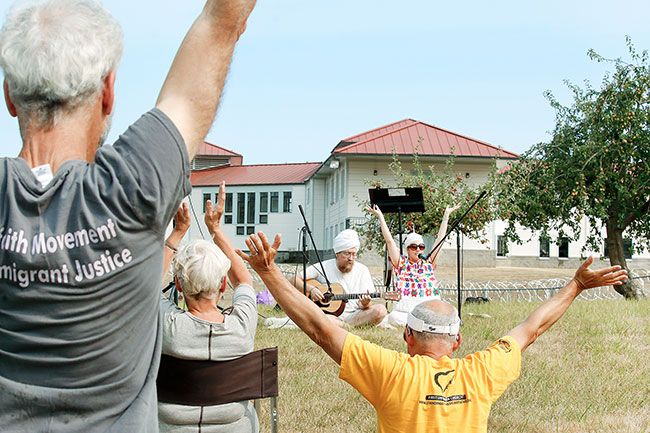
x=203, y=332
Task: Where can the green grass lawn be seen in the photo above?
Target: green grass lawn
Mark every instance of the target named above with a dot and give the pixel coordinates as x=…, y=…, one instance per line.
x=589, y=373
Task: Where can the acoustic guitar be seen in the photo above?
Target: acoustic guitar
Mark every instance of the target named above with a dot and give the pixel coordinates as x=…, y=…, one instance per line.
x=334, y=302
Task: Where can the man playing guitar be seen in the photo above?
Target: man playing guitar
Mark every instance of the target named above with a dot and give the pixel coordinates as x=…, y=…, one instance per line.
x=354, y=277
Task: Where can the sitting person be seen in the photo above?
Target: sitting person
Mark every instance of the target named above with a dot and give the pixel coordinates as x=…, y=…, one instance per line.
x=424, y=390
x=414, y=277
x=354, y=277
x=203, y=332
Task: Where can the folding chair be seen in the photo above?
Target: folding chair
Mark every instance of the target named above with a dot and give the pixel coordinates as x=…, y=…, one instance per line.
x=208, y=383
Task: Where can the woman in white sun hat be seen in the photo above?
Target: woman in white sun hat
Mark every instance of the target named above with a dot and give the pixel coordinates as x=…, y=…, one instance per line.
x=414, y=276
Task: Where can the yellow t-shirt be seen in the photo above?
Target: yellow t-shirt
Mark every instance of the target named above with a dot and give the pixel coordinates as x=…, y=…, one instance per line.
x=421, y=394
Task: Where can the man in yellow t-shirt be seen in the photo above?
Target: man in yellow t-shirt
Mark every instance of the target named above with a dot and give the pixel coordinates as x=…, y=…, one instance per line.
x=428, y=391
x=425, y=390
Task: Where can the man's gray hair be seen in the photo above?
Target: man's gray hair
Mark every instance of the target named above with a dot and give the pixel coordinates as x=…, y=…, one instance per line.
x=446, y=317
x=200, y=267
x=55, y=55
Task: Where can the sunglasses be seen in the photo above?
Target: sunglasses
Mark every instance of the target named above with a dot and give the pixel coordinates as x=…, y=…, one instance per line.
x=416, y=247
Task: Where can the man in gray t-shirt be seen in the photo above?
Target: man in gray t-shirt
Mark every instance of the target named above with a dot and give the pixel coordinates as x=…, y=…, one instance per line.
x=81, y=229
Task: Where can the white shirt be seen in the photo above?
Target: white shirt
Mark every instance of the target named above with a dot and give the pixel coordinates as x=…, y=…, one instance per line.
x=358, y=280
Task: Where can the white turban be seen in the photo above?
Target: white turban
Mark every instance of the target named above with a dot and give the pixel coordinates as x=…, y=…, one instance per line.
x=413, y=239
x=345, y=240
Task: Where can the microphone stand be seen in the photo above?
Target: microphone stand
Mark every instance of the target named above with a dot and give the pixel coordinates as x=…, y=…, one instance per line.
x=307, y=230
x=454, y=227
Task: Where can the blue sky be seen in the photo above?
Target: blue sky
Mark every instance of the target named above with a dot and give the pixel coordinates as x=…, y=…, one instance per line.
x=307, y=74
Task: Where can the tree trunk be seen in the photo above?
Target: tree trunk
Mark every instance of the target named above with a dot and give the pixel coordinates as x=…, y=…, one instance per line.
x=617, y=257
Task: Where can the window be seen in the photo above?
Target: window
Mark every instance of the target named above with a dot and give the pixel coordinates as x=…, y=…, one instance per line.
x=286, y=202
x=264, y=207
x=627, y=248
x=343, y=172
x=275, y=198
x=241, y=207
x=563, y=248
x=327, y=189
x=207, y=196
x=544, y=246
x=240, y=230
x=250, y=230
x=250, y=208
x=502, y=246
x=337, y=180
x=227, y=211
x=264, y=202
x=228, y=205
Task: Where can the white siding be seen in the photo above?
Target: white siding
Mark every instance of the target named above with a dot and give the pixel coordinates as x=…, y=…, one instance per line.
x=288, y=224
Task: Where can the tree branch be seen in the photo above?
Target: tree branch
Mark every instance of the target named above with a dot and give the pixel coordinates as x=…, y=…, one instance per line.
x=645, y=208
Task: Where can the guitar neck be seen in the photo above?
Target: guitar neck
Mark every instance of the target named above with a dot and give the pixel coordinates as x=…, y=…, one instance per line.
x=348, y=296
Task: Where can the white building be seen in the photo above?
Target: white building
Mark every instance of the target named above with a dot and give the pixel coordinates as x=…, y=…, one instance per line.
x=266, y=197
x=263, y=197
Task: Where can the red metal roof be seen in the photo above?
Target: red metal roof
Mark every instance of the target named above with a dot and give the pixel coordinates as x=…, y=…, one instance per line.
x=212, y=149
x=412, y=136
x=263, y=174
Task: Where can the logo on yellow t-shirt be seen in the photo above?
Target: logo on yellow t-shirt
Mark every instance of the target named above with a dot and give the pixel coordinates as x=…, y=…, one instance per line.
x=444, y=379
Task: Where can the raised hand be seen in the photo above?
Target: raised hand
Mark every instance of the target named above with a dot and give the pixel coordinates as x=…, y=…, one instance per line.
x=586, y=278
x=374, y=210
x=213, y=215
x=182, y=220
x=452, y=209
x=262, y=254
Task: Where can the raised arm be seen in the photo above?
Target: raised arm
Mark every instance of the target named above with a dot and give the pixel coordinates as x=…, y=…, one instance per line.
x=191, y=93
x=303, y=312
x=238, y=273
x=442, y=231
x=181, y=225
x=550, y=312
x=393, y=250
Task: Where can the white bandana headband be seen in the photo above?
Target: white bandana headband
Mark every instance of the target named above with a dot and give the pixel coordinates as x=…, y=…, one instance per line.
x=419, y=325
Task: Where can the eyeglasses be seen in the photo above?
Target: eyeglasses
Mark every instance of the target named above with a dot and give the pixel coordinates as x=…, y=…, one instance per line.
x=416, y=247
x=348, y=254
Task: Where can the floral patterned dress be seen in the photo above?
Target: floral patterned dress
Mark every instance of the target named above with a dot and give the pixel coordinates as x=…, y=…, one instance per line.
x=417, y=283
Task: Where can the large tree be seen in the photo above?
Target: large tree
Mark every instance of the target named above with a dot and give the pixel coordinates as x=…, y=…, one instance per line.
x=596, y=166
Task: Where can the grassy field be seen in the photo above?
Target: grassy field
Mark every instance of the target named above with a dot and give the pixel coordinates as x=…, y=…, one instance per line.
x=589, y=373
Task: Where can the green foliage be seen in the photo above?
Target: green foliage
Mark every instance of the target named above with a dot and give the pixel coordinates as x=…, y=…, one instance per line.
x=440, y=189
x=596, y=165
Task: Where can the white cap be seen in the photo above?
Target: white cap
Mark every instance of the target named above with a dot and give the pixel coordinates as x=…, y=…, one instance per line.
x=413, y=239
x=345, y=240
x=419, y=325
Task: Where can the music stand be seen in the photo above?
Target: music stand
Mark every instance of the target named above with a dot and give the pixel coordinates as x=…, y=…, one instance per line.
x=397, y=200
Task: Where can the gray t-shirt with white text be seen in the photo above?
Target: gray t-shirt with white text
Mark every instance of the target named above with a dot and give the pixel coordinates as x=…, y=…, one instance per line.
x=80, y=271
